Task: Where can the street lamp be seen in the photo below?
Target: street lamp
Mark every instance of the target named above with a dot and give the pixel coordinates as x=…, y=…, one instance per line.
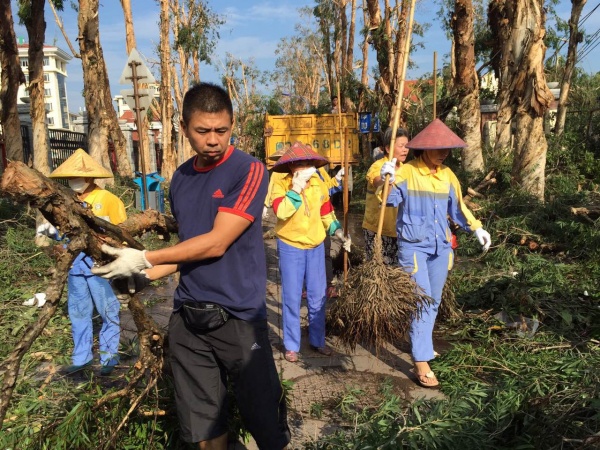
x=287, y=94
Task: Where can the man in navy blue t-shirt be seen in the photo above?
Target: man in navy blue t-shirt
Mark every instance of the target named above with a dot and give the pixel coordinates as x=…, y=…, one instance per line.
x=218, y=330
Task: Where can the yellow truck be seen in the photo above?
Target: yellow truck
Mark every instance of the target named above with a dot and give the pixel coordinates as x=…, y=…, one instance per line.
x=321, y=131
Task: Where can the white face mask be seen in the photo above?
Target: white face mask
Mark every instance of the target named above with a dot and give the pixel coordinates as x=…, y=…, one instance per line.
x=79, y=185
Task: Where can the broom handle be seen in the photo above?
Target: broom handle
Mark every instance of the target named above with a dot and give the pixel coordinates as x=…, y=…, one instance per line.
x=344, y=155
x=399, y=98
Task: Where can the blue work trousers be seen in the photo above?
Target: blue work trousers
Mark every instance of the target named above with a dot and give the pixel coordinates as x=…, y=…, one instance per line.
x=429, y=272
x=85, y=292
x=298, y=266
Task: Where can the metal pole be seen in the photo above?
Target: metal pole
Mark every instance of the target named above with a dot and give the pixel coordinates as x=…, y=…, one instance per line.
x=138, y=119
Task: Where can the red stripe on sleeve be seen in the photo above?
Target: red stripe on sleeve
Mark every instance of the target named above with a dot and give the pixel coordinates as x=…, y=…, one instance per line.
x=326, y=208
x=251, y=186
x=276, y=203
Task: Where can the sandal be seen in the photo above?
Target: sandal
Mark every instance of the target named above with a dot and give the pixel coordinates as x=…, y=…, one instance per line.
x=291, y=356
x=428, y=380
x=325, y=350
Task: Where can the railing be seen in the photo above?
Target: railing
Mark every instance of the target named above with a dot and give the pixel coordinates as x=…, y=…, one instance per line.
x=63, y=144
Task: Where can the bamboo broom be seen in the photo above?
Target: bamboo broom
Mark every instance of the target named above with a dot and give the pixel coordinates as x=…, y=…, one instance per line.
x=377, y=302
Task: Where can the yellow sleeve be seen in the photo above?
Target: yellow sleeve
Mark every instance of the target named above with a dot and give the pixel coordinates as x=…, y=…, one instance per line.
x=284, y=201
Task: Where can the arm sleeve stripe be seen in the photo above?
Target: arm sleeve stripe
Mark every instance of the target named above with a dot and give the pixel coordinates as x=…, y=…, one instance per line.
x=251, y=187
x=276, y=203
x=326, y=208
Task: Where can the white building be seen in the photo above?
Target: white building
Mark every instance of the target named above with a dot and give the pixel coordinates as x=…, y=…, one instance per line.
x=55, y=84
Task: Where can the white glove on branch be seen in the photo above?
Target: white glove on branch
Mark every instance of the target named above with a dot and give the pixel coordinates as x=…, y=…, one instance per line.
x=346, y=240
x=340, y=175
x=47, y=229
x=301, y=177
x=389, y=168
x=128, y=262
x=484, y=238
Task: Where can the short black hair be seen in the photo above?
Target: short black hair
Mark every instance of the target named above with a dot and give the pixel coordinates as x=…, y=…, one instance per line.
x=333, y=96
x=208, y=98
x=387, y=136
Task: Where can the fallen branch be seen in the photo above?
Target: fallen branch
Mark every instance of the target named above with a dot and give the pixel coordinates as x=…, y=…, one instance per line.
x=85, y=233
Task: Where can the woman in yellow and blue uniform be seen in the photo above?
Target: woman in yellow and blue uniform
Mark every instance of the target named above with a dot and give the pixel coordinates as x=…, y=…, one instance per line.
x=389, y=241
x=426, y=192
x=304, y=217
x=334, y=185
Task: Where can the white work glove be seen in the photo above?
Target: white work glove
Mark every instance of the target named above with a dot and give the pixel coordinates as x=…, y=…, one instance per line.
x=346, y=240
x=389, y=168
x=47, y=229
x=484, y=238
x=339, y=175
x=129, y=261
x=38, y=299
x=301, y=177
x=265, y=213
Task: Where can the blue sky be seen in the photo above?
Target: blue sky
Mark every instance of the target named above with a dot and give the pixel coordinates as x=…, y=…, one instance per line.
x=252, y=30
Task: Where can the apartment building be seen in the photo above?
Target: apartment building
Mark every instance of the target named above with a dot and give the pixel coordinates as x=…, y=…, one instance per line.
x=55, y=84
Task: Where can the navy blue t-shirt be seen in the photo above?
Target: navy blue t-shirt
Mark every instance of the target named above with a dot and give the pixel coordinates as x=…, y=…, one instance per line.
x=237, y=184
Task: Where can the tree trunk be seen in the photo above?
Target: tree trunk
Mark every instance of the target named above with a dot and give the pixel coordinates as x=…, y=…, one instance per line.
x=36, y=29
x=144, y=141
x=529, y=164
x=466, y=86
x=498, y=12
x=12, y=77
x=166, y=100
x=95, y=82
x=574, y=38
x=524, y=90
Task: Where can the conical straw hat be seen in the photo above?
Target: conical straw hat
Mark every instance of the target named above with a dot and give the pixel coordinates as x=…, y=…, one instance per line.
x=436, y=136
x=299, y=152
x=278, y=154
x=80, y=165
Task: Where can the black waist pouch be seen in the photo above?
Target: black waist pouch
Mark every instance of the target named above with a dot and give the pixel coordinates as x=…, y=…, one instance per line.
x=201, y=316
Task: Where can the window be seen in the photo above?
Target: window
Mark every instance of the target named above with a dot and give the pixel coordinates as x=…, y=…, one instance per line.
x=50, y=120
x=48, y=107
x=47, y=77
x=46, y=61
x=47, y=93
x=27, y=78
x=24, y=62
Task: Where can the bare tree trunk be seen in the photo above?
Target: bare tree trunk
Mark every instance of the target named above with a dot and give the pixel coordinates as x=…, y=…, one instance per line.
x=95, y=84
x=574, y=38
x=497, y=11
x=166, y=100
x=114, y=131
x=466, y=86
x=143, y=127
x=129, y=31
x=11, y=77
x=36, y=29
x=520, y=25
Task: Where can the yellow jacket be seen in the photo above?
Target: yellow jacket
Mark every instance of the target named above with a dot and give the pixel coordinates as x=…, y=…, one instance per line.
x=303, y=219
x=372, y=204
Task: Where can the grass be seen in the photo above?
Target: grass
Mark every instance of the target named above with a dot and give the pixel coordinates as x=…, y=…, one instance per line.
x=502, y=390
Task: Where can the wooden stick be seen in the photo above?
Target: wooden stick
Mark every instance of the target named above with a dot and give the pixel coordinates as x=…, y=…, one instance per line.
x=400, y=96
x=344, y=155
x=434, y=85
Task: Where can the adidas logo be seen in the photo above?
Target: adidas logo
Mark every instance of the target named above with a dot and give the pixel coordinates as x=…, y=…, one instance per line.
x=255, y=346
x=218, y=194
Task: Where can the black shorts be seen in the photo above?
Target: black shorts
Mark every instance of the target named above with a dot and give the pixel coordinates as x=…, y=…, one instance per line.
x=202, y=363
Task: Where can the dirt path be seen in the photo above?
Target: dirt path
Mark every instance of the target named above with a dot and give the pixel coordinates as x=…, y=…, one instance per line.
x=319, y=382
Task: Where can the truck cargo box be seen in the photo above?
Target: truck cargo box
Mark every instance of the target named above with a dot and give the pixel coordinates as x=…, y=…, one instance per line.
x=321, y=131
